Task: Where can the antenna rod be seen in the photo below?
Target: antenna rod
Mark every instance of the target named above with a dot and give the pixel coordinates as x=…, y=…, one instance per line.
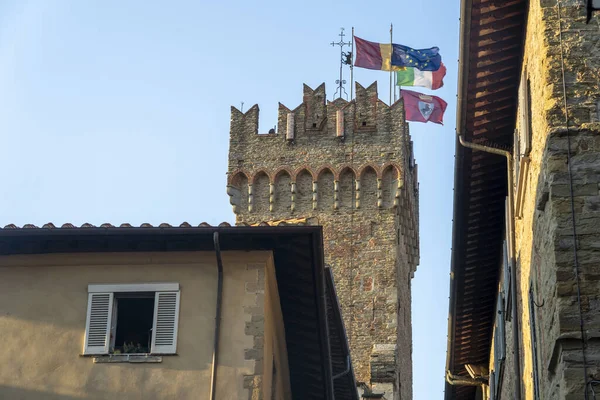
x=352, y=66
x=391, y=55
x=345, y=58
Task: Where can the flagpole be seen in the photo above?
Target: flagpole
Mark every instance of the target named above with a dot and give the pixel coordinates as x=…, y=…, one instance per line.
x=391, y=55
x=352, y=67
x=395, y=84
x=400, y=93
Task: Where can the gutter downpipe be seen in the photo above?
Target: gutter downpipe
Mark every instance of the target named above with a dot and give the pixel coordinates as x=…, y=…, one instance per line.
x=344, y=372
x=464, y=381
x=215, y=358
x=511, y=250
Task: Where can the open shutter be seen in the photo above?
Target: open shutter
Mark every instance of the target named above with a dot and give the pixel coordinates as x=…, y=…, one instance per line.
x=500, y=344
x=524, y=142
x=97, y=327
x=166, y=318
x=534, y=344
x=507, y=268
x=506, y=283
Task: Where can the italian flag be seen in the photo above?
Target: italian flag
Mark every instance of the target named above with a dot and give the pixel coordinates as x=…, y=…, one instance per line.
x=428, y=79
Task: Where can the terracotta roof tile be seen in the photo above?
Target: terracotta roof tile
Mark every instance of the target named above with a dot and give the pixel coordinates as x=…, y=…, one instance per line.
x=164, y=225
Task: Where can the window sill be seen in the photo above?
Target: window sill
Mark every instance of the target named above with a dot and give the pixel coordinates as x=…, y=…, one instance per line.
x=127, y=358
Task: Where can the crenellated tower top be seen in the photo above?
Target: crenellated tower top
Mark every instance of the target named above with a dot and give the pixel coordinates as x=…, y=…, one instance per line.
x=358, y=132
x=338, y=136
x=318, y=116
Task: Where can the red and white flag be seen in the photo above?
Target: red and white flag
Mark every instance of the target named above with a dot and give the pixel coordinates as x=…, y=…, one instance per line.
x=420, y=107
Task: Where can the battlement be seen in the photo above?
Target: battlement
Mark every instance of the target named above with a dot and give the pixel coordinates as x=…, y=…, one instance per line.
x=319, y=119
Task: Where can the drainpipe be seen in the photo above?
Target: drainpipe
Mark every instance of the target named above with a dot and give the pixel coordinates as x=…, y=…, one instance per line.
x=464, y=380
x=344, y=372
x=215, y=359
x=512, y=252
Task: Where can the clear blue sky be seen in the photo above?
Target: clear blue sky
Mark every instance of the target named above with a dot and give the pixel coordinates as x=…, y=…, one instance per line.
x=118, y=111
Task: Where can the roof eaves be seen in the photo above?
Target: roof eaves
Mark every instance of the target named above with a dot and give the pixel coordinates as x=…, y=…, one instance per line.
x=463, y=66
x=465, y=159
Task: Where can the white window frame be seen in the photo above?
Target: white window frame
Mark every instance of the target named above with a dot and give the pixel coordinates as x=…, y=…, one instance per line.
x=100, y=321
x=133, y=287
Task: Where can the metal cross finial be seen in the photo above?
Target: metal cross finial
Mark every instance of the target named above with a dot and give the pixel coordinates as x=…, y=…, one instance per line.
x=345, y=59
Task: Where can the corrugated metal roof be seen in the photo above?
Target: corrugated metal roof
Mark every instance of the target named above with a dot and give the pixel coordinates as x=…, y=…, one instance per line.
x=492, y=34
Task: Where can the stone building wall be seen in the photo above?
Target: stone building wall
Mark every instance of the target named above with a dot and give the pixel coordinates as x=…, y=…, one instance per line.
x=544, y=234
x=349, y=167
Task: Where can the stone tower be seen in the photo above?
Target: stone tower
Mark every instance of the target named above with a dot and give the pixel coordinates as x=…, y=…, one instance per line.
x=349, y=167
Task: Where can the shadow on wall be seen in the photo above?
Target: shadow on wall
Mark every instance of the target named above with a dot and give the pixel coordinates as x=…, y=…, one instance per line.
x=550, y=310
x=14, y=393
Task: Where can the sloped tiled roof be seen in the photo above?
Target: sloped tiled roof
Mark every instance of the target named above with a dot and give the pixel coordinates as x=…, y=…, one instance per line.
x=491, y=47
x=50, y=225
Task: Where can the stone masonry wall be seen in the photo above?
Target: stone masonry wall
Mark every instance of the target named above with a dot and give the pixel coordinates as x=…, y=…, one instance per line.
x=545, y=245
x=362, y=188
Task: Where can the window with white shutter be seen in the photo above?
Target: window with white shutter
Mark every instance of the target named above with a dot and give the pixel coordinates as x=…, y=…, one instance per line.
x=99, y=318
x=132, y=319
x=164, y=334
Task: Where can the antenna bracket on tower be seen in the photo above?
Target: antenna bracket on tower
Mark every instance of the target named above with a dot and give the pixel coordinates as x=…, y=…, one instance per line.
x=345, y=59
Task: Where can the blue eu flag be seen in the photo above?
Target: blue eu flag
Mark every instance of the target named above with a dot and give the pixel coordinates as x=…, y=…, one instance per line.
x=423, y=59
